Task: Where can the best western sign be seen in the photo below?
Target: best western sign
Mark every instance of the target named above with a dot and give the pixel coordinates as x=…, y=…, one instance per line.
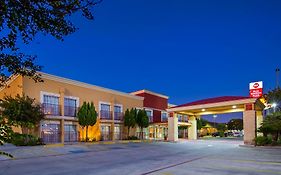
x=256, y=89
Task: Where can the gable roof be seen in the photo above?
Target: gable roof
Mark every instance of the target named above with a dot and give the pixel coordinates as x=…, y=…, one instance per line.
x=213, y=100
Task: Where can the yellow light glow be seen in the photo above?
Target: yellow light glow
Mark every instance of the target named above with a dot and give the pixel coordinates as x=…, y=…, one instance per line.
x=203, y=110
x=234, y=107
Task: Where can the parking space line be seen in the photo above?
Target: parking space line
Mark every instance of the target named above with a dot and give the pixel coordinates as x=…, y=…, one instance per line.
x=173, y=165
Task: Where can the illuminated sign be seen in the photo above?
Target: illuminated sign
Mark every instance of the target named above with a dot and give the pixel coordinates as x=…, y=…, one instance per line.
x=256, y=89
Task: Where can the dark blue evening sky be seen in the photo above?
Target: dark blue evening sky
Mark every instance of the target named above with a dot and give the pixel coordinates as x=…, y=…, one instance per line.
x=185, y=49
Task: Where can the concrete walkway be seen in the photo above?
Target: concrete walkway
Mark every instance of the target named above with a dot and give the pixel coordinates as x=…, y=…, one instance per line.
x=204, y=157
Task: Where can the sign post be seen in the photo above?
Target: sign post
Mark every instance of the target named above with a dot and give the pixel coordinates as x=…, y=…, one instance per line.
x=256, y=89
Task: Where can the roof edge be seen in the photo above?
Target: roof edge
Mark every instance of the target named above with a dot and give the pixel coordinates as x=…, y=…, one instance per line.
x=149, y=92
x=87, y=85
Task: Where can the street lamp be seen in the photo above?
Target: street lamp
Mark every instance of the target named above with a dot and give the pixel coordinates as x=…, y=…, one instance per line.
x=214, y=116
x=274, y=106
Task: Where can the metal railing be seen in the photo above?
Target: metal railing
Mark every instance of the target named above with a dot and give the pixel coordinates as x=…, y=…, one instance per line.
x=118, y=116
x=51, y=109
x=70, y=111
x=105, y=115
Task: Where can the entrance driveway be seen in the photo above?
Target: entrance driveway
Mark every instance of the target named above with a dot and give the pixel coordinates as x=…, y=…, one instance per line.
x=186, y=157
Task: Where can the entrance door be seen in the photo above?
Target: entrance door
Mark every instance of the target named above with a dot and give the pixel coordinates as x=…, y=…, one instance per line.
x=70, y=133
x=51, y=133
x=105, y=132
x=117, y=132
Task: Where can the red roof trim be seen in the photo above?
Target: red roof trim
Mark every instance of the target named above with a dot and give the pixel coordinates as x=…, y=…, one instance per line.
x=213, y=100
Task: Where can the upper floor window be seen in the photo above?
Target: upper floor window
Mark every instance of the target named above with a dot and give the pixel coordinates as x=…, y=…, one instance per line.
x=149, y=113
x=50, y=99
x=117, y=108
x=51, y=104
x=179, y=117
x=104, y=107
x=105, y=111
x=118, y=112
x=164, y=116
x=70, y=106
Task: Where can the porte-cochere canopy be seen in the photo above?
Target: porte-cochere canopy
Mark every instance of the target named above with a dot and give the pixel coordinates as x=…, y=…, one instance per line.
x=251, y=107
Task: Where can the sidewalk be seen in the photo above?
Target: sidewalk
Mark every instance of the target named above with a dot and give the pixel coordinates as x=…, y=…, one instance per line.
x=23, y=152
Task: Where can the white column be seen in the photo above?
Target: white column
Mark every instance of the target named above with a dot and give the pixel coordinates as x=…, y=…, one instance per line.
x=173, y=128
x=259, y=116
x=249, y=125
x=192, y=130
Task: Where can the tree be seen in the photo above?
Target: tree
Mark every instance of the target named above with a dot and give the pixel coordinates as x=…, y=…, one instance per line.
x=142, y=120
x=5, y=134
x=87, y=116
x=272, y=125
x=130, y=119
x=21, y=21
x=221, y=127
x=235, y=124
x=274, y=96
x=21, y=111
x=201, y=123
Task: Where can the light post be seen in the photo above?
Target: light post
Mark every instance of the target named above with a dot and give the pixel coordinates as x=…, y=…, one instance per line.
x=274, y=105
x=214, y=116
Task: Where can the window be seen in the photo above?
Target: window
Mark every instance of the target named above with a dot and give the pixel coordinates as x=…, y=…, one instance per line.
x=179, y=117
x=51, y=105
x=105, y=107
x=70, y=133
x=105, y=111
x=164, y=116
x=185, y=118
x=149, y=113
x=117, y=108
x=118, y=112
x=49, y=99
x=70, y=107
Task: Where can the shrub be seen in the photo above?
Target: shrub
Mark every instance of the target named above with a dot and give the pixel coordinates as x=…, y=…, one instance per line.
x=262, y=140
x=279, y=142
x=25, y=140
x=132, y=138
x=221, y=134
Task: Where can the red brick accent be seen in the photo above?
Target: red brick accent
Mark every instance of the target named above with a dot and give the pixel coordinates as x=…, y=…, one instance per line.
x=153, y=101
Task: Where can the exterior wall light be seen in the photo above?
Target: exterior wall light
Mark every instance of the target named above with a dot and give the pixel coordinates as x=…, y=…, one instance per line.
x=203, y=110
x=234, y=107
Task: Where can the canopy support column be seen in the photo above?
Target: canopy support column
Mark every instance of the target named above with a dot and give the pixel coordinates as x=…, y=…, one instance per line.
x=173, y=128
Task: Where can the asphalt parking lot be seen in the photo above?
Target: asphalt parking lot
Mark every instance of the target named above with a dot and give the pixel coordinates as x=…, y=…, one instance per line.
x=186, y=157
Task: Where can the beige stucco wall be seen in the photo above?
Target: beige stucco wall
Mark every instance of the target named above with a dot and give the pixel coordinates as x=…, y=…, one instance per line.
x=14, y=88
x=85, y=94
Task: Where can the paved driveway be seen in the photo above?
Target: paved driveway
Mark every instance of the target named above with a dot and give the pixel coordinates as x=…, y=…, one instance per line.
x=186, y=157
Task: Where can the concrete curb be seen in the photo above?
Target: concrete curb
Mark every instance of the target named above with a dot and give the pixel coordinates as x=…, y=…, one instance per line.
x=54, y=145
x=260, y=147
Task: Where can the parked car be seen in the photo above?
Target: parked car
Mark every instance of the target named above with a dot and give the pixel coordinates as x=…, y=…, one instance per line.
x=215, y=134
x=229, y=134
x=238, y=134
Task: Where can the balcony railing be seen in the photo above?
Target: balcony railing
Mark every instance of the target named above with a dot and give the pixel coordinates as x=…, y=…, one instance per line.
x=106, y=115
x=70, y=111
x=51, y=109
x=118, y=116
